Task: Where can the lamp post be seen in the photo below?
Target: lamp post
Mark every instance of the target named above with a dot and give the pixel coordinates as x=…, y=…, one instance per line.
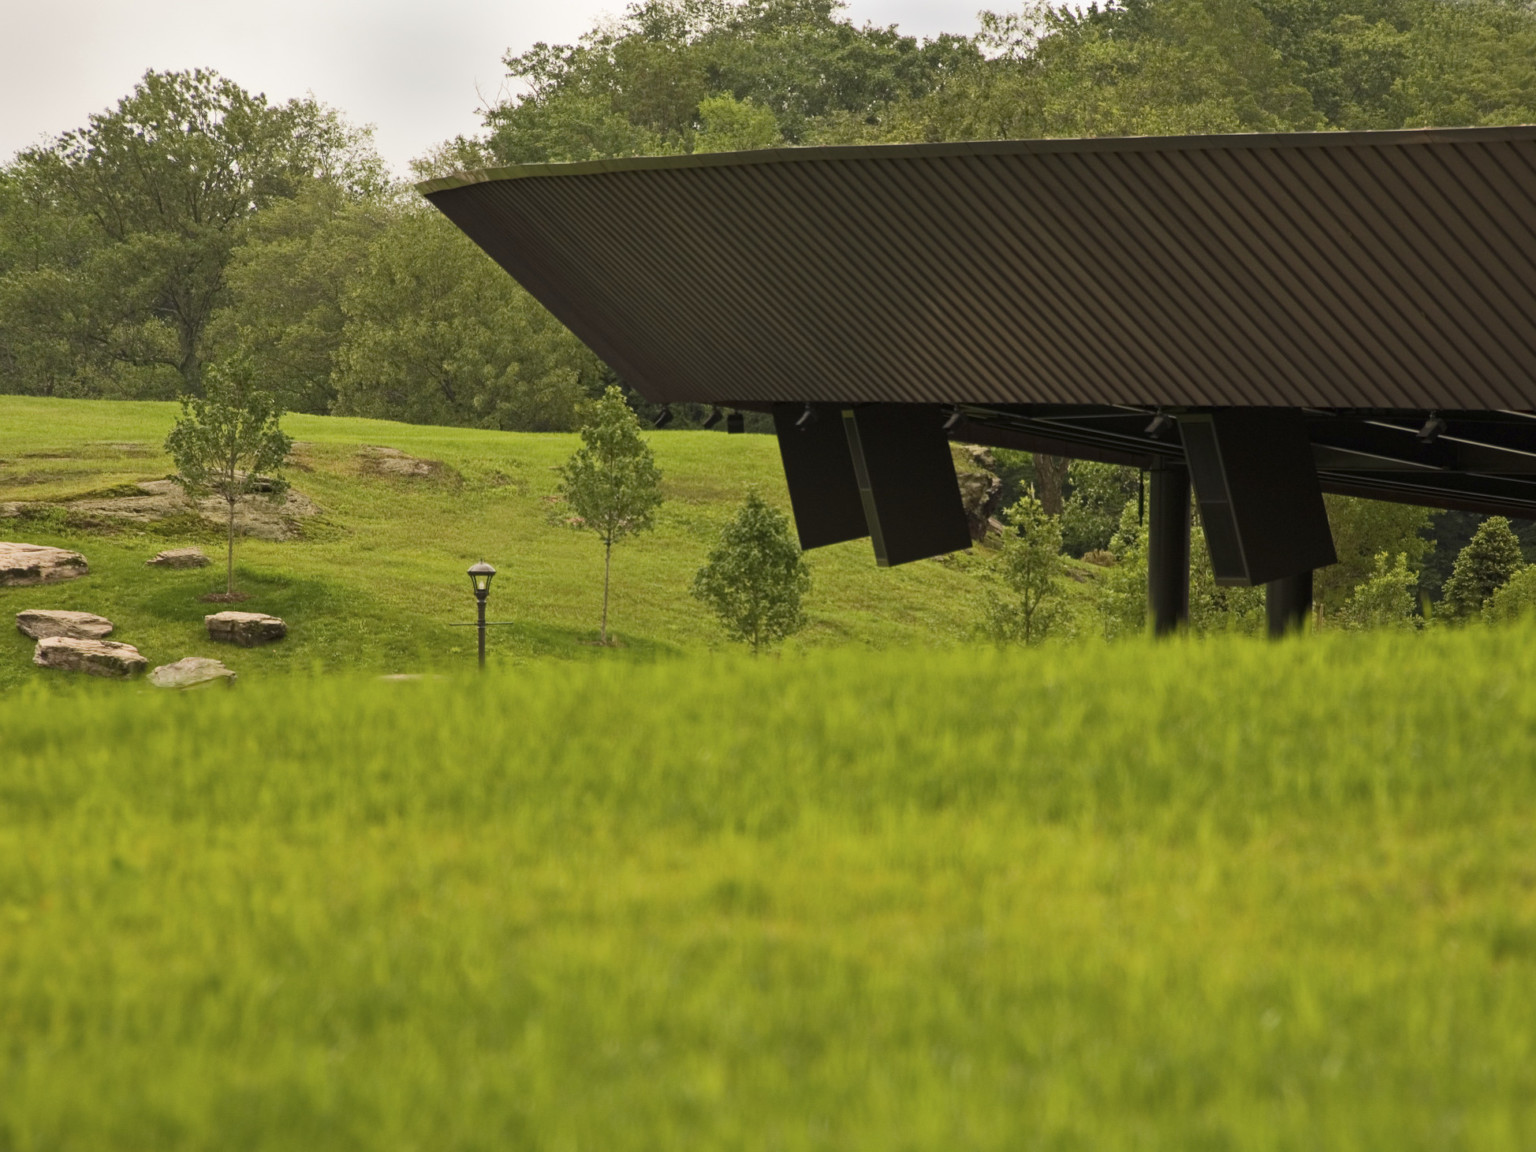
x=480, y=578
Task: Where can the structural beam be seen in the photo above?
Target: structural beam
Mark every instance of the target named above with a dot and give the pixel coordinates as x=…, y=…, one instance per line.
x=1288, y=603
x=1168, y=547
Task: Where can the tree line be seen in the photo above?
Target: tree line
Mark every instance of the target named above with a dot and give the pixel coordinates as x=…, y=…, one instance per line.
x=196, y=221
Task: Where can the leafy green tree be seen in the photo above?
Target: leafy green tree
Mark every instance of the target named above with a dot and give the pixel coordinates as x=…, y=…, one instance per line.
x=1386, y=598
x=638, y=85
x=1515, y=600
x=436, y=333
x=229, y=443
x=287, y=280
x=1364, y=530
x=157, y=190
x=1091, y=512
x=1160, y=67
x=731, y=125
x=1028, y=567
x=612, y=481
x=756, y=576
x=1484, y=566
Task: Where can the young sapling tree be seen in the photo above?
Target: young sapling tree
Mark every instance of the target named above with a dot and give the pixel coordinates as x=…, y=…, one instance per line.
x=612, y=481
x=1028, y=567
x=228, y=443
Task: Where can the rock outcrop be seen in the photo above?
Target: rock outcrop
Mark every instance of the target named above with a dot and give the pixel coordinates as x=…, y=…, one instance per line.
x=93, y=657
x=190, y=672
x=41, y=623
x=247, y=629
x=981, y=490
x=23, y=564
x=256, y=515
x=393, y=462
x=179, y=558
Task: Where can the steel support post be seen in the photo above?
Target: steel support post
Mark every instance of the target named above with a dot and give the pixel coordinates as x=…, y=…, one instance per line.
x=1168, y=547
x=482, y=633
x=1288, y=603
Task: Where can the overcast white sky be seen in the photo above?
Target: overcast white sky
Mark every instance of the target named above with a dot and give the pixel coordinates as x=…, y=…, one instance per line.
x=417, y=70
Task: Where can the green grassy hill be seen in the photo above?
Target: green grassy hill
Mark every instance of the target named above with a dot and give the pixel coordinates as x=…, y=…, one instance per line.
x=1201, y=895
x=377, y=577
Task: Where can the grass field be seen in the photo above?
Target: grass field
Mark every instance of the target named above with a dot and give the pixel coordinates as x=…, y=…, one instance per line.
x=1204, y=895
x=888, y=891
x=380, y=574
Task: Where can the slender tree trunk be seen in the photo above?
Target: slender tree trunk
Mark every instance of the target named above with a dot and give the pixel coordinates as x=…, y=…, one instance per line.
x=607, y=566
x=1050, y=476
x=229, y=567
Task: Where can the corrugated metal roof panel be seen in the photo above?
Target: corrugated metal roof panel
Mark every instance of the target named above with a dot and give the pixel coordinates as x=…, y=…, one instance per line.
x=1334, y=270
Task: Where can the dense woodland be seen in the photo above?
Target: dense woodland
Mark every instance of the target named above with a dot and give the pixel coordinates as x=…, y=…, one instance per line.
x=197, y=222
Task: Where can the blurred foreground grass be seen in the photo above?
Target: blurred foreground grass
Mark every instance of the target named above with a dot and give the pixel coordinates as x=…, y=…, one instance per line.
x=1222, y=895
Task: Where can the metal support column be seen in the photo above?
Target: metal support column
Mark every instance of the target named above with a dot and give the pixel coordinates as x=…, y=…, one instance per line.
x=1168, y=547
x=1288, y=602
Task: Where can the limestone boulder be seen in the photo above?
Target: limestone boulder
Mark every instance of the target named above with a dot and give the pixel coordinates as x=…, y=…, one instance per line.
x=23, y=564
x=190, y=672
x=247, y=629
x=93, y=657
x=179, y=558
x=40, y=623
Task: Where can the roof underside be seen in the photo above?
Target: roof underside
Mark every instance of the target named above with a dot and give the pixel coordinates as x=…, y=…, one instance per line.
x=1060, y=290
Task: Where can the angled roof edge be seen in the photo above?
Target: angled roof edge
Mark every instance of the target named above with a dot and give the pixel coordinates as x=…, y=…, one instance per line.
x=801, y=155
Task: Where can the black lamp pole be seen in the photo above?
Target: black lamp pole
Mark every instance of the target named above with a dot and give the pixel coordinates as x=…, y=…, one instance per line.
x=480, y=578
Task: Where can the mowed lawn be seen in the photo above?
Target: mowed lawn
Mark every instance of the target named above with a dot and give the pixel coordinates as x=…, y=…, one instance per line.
x=379, y=574
x=1199, y=895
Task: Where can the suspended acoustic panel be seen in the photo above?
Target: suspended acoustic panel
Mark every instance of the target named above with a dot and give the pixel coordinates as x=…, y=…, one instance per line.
x=823, y=491
x=906, y=478
x=1258, y=494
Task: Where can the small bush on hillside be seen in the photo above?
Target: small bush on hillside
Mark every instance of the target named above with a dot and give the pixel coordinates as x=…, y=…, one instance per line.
x=1483, y=567
x=1121, y=595
x=756, y=576
x=1517, y=598
x=1386, y=599
x=1212, y=607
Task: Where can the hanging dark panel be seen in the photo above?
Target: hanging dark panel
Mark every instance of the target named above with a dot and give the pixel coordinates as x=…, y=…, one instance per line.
x=819, y=470
x=906, y=477
x=1257, y=489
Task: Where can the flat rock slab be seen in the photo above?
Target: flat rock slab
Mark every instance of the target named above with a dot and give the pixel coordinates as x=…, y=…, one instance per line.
x=40, y=623
x=93, y=657
x=189, y=672
x=153, y=500
x=23, y=564
x=393, y=462
x=246, y=629
x=179, y=558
